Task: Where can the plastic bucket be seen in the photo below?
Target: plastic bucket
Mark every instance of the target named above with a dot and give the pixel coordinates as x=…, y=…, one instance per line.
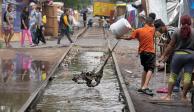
x=120, y=27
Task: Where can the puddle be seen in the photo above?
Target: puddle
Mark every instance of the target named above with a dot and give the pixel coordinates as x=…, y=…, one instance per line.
x=19, y=77
x=23, y=68
x=64, y=95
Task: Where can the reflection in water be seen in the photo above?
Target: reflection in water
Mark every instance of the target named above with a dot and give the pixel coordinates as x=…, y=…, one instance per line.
x=12, y=102
x=23, y=68
x=19, y=76
x=90, y=60
x=7, y=70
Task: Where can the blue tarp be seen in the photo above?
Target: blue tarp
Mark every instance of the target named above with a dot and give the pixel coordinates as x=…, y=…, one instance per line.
x=191, y=7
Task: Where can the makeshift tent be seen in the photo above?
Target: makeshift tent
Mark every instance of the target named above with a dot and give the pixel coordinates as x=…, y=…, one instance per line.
x=176, y=9
x=170, y=11
x=159, y=7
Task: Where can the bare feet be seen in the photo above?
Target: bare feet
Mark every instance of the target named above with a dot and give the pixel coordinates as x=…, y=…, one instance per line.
x=167, y=98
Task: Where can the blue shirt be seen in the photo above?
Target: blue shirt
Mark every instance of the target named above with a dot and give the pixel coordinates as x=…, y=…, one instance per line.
x=33, y=18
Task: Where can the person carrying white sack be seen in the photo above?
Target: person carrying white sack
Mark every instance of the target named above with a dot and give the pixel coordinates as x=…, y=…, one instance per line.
x=145, y=36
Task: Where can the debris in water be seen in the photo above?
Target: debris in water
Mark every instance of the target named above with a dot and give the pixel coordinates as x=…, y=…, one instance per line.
x=128, y=71
x=93, y=77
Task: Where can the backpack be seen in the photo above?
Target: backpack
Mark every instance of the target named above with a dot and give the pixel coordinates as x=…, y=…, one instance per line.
x=44, y=20
x=62, y=24
x=4, y=17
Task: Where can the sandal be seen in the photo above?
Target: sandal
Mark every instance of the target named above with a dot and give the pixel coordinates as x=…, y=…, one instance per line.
x=147, y=91
x=141, y=90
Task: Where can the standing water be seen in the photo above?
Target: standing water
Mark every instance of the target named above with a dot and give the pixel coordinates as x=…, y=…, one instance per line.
x=64, y=95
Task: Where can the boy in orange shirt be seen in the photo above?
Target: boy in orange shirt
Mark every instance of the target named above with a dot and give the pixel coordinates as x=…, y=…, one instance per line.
x=145, y=36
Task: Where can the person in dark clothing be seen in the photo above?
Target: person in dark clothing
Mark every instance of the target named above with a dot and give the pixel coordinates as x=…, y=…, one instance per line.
x=167, y=33
x=39, y=27
x=84, y=18
x=90, y=23
x=182, y=44
x=25, y=26
x=64, y=26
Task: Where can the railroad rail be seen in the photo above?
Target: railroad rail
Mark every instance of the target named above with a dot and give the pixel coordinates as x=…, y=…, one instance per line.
x=51, y=72
x=127, y=99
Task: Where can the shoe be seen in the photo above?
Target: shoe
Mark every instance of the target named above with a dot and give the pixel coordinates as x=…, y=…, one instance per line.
x=141, y=90
x=176, y=89
x=33, y=45
x=147, y=92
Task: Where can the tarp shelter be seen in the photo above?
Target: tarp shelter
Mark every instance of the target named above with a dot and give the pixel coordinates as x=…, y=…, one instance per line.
x=159, y=7
x=170, y=11
x=191, y=7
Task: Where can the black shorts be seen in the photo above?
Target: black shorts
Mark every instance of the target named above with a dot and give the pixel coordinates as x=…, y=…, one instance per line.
x=147, y=61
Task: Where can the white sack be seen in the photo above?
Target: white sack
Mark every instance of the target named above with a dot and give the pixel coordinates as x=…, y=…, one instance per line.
x=120, y=27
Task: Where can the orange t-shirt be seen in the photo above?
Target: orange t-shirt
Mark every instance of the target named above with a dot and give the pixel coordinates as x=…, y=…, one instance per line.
x=145, y=36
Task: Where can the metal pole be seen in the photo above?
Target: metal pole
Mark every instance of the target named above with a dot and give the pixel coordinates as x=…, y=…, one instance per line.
x=180, y=13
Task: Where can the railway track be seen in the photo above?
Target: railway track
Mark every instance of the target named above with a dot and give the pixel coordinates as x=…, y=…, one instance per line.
x=61, y=94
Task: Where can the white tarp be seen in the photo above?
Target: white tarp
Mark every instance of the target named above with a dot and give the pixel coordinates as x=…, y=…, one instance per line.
x=159, y=7
x=175, y=9
x=168, y=10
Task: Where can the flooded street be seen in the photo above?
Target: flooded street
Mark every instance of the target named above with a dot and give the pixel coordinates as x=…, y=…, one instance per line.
x=19, y=78
x=64, y=95
x=21, y=73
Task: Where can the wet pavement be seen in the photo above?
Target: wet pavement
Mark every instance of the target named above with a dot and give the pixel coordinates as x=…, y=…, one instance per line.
x=64, y=95
x=51, y=42
x=131, y=69
x=92, y=38
x=21, y=72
